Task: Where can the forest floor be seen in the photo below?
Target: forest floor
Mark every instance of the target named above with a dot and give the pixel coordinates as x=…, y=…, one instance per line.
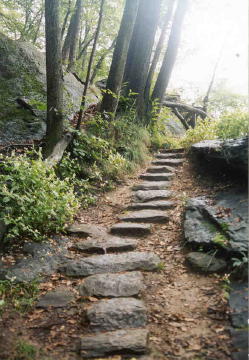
x=188, y=312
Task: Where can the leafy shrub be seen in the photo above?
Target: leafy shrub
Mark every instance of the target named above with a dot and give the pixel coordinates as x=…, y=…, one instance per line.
x=33, y=201
x=233, y=125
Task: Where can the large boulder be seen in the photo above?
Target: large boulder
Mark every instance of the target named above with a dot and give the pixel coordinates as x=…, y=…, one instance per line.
x=23, y=77
x=232, y=153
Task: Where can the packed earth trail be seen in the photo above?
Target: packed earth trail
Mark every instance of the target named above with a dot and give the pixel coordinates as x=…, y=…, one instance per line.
x=125, y=291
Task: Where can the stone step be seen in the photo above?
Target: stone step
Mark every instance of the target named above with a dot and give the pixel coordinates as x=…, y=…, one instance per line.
x=151, y=195
x=161, y=169
x=156, y=177
x=111, y=263
x=109, y=244
x=115, y=314
x=85, y=230
x=113, y=285
x=131, y=341
x=152, y=185
x=153, y=205
x=170, y=162
x=169, y=155
x=131, y=229
x=180, y=150
x=146, y=216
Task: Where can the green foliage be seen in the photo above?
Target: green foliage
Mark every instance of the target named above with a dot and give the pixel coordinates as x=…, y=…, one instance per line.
x=25, y=351
x=233, y=125
x=33, y=201
x=220, y=239
x=19, y=296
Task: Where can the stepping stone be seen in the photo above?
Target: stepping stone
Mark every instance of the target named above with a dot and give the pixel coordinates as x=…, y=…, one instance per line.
x=161, y=169
x=113, y=285
x=131, y=229
x=85, y=230
x=109, y=244
x=169, y=155
x=170, y=162
x=156, y=177
x=165, y=151
x=152, y=185
x=111, y=263
x=153, y=205
x=147, y=216
x=131, y=341
x=57, y=298
x=115, y=314
x=151, y=195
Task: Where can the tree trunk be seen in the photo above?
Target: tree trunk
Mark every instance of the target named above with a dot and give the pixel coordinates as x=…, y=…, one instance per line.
x=75, y=34
x=83, y=101
x=171, y=53
x=159, y=48
x=101, y=60
x=114, y=82
x=66, y=18
x=54, y=76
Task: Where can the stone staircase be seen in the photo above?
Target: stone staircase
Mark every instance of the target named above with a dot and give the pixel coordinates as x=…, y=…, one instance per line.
x=117, y=321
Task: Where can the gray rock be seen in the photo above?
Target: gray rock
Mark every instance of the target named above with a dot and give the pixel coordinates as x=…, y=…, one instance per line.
x=151, y=195
x=161, y=169
x=57, y=298
x=85, y=230
x=152, y=185
x=114, y=314
x=232, y=153
x=175, y=127
x=240, y=343
x=227, y=218
x=169, y=155
x=131, y=229
x=146, y=216
x=166, y=151
x=109, y=244
x=154, y=205
x=113, y=285
x=168, y=162
x=156, y=177
x=205, y=263
x=238, y=302
x=131, y=341
x=111, y=263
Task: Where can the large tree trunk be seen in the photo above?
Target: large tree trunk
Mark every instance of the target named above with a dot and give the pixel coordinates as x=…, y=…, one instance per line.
x=114, y=82
x=54, y=76
x=75, y=34
x=171, y=53
x=159, y=48
x=83, y=101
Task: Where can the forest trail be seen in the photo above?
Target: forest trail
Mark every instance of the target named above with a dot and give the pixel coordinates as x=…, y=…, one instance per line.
x=187, y=313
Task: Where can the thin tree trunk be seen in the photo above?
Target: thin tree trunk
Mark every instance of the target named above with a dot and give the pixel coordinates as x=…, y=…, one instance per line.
x=39, y=24
x=115, y=78
x=75, y=34
x=54, y=76
x=171, y=53
x=66, y=18
x=83, y=101
x=84, y=48
x=101, y=60
x=158, y=50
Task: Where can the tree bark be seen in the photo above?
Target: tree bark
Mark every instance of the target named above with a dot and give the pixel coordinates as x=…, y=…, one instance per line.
x=54, y=77
x=75, y=34
x=171, y=53
x=66, y=18
x=159, y=48
x=114, y=82
x=83, y=101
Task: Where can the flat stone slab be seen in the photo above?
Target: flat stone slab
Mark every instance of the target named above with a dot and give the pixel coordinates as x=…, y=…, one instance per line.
x=131, y=229
x=156, y=177
x=115, y=314
x=111, y=263
x=170, y=162
x=152, y=185
x=146, y=216
x=113, y=285
x=153, y=205
x=166, y=151
x=85, y=230
x=161, y=169
x=57, y=298
x=131, y=341
x=151, y=195
x=205, y=263
x=238, y=302
x=109, y=244
x=169, y=155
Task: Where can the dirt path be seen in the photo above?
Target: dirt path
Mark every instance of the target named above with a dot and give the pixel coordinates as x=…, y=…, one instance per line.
x=188, y=314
